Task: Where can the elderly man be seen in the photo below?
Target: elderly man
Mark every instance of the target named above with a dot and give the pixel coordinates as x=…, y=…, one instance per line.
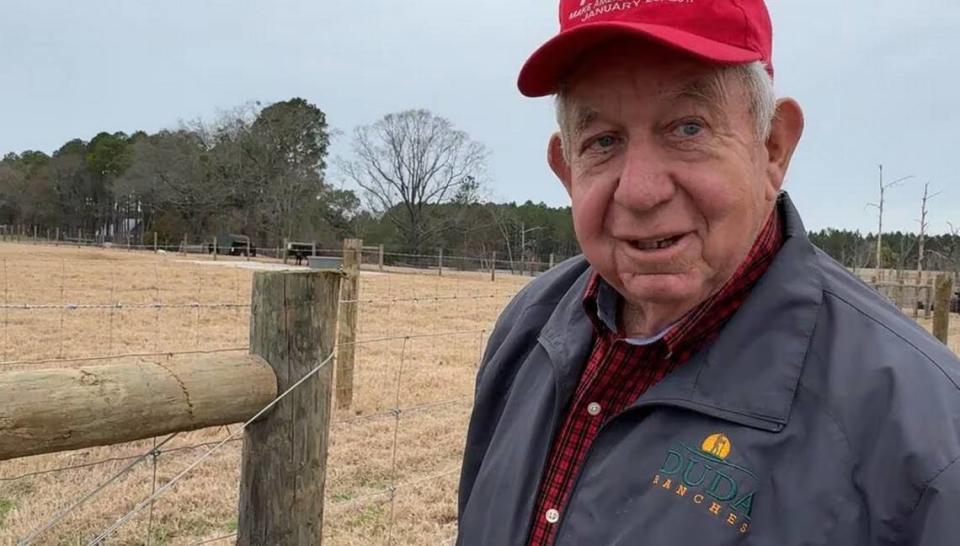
x=702, y=374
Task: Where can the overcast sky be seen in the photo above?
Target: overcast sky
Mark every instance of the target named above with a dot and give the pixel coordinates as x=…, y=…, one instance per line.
x=878, y=80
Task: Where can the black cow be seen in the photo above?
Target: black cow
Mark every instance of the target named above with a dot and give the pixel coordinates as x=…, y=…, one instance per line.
x=299, y=251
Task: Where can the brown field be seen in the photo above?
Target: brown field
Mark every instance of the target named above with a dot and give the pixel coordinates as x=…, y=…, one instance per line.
x=391, y=480
x=373, y=452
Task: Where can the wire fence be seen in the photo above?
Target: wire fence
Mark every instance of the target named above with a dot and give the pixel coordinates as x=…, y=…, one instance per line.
x=511, y=261
x=394, y=456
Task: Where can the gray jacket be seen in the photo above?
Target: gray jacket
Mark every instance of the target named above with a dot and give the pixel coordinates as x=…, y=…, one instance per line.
x=820, y=415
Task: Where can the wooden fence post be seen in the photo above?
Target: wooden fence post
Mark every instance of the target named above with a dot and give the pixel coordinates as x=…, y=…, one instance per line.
x=380, y=260
x=551, y=260
x=493, y=266
x=928, y=298
x=941, y=309
x=916, y=300
x=292, y=327
x=154, y=242
x=214, y=249
x=57, y=237
x=440, y=261
x=347, y=328
x=34, y=232
x=284, y=251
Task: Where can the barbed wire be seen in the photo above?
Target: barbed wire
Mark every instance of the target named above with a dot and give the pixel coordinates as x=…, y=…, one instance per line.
x=84, y=498
x=214, y=446
x=149, y=500
x=396, y=434
x=421, y=299
x=418, y=336
x=362, y=498
x=81, y=466
x=393, y=488
x=397, y=412
x=405, y=411
x=212, y=540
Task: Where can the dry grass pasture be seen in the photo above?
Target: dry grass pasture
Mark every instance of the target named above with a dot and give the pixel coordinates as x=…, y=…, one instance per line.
x=392, y=476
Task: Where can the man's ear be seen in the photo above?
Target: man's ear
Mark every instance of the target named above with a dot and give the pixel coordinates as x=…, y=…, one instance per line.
x=785, y=133
x=558, y=162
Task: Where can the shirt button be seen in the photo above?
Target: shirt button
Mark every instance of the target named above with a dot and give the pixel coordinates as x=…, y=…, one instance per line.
x=553, y=516
x=593, y=408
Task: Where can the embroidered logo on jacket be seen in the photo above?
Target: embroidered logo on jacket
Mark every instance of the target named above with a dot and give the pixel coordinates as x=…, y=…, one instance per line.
x=706, y=479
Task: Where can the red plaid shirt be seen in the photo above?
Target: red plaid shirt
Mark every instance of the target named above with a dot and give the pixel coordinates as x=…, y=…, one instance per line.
x=617, y=372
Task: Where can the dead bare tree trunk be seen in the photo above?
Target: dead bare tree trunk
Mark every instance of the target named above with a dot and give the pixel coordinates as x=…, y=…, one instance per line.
x=923, y=230
x=879, y=207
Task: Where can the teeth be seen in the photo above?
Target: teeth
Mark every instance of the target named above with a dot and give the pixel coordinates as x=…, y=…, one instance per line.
x=656, y=245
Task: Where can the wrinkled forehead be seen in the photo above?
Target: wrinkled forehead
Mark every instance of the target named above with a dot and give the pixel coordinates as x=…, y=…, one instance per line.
x=639, y=74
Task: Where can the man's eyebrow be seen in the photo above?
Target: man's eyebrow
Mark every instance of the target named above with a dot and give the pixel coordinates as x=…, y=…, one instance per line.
x=708, y=91
x=583, y=118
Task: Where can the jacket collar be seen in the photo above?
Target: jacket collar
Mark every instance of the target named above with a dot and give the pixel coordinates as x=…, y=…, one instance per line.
x=749, y=374
x=568, y=335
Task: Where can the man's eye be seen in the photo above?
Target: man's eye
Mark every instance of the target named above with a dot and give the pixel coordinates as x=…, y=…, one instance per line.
x=602, y=143
x=606, y=141
x=688, y=129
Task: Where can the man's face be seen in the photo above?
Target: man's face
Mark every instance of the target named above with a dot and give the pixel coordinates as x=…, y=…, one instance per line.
x=670, y=185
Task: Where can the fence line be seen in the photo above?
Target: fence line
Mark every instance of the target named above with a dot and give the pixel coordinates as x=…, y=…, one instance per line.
x=154, y=453
x=205, y=246
x=397, y=412
x=170, y=483
x=212, y=540
x=424, y=262
x=83, y=499
x=395, y=487
x=429, y=299
x=404, y=411
x=109, y=460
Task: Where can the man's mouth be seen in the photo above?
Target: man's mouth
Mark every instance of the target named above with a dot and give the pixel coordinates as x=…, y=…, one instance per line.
x=656, y=244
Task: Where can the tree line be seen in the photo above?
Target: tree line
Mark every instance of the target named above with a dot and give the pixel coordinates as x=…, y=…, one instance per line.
x=262, y=171
x=899, y=250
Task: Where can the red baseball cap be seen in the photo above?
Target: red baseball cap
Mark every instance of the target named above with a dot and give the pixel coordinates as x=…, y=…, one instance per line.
x=721, y=31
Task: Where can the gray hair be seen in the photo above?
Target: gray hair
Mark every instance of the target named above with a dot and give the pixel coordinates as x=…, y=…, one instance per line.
x=754, y=78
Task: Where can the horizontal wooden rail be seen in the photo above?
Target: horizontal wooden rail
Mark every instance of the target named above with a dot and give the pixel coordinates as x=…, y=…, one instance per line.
x=49, y=410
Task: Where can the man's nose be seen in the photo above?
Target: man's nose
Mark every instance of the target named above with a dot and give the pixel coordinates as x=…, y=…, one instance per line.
x=645, y=182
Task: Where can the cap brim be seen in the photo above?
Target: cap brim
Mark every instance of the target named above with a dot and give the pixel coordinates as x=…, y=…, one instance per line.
x=541, y=74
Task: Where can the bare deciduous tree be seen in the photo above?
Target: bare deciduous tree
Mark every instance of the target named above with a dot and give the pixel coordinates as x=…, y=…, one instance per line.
x=879, y=207
x=411, y=160
x=923, y=229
